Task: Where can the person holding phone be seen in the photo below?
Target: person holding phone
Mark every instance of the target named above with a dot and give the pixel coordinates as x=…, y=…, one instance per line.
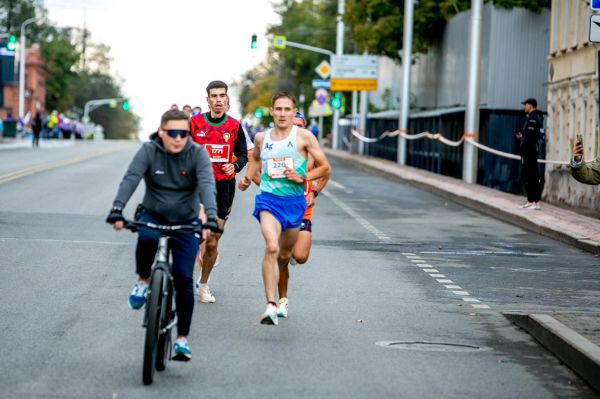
x=584, y=172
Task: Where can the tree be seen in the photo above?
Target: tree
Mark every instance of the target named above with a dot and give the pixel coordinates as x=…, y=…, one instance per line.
x=377, y=25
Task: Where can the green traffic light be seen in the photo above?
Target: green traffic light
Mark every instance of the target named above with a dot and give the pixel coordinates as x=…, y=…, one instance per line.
x=12, y=43
x=125, y=105
x=258, y=112
x=336, y=101
x=253, y=41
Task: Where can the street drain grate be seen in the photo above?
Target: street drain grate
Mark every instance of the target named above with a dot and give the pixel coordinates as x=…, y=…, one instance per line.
x=431, y=346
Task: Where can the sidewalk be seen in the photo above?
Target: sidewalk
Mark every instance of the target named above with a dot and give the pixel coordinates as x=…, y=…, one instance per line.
x=573, y=337
x=13, y=144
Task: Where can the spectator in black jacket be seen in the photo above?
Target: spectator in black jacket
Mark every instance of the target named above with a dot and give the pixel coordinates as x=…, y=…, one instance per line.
x=530, y=137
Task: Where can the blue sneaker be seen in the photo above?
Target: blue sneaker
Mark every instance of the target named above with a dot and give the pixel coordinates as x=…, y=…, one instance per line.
x=137, y=298
x=181, y=350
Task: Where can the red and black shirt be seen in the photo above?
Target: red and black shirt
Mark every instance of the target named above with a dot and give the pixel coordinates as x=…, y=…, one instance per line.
x=224, y=141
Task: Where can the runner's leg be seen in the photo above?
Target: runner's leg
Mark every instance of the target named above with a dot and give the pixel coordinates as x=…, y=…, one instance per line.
x=302, y=247
x=271, y=231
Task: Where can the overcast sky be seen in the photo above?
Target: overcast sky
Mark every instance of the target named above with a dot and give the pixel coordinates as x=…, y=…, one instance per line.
x=167, y=52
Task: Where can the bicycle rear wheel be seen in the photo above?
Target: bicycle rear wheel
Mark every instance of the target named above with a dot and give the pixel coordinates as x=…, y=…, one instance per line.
x=153, y=327
x=166, y=316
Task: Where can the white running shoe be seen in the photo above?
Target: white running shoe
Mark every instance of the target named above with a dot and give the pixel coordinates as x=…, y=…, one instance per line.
x=526, y=205
x=282, y=308
x=205, y=295
x=270, y=315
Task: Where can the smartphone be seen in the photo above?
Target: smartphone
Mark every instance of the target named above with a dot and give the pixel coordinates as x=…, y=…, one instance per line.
x=580, y=139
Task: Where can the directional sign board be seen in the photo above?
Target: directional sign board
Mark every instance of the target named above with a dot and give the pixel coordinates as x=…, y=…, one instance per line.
x=595, y=28
x=354, y=72
x=595, y=4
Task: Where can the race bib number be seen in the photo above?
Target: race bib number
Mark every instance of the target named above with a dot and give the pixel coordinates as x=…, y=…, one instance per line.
x=277, y=166
x=218, y=152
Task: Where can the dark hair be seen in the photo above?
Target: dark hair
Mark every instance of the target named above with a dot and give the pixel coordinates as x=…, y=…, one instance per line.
x=283, y=94
x=216, y=84
x=186, y=106
x=173, y=115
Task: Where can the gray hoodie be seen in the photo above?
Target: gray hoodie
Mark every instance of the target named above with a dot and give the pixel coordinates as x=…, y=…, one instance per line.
x=176, y=184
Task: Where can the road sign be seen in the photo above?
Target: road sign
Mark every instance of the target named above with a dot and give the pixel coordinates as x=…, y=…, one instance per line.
x=279, y=42
x=320, y=84
x=354, y=72
x=595, y=28
x=323, y=69
x=353, y=84
x=595, y=4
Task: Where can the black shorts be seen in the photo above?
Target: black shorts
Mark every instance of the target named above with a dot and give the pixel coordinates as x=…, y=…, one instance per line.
x=225, y=194
x=306, y=225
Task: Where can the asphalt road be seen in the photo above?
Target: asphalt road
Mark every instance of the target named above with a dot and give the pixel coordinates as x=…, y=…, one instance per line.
x=401, y=297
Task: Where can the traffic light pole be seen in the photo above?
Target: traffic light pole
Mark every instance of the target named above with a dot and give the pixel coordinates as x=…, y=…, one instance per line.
x=92, y=105
x=339, y=50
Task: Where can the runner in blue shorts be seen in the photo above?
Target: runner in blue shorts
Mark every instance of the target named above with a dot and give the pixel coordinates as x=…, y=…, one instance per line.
x=281, y=154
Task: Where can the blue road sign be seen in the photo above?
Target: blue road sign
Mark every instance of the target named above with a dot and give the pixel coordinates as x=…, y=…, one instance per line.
x=595, y=4
x=320, y=84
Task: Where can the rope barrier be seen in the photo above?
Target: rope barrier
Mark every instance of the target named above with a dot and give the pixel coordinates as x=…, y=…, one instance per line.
x=441, y=138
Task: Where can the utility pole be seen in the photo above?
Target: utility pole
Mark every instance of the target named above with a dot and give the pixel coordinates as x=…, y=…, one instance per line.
x=472, y=111
x=22, y=62
x=406, y=64
x=339, y=50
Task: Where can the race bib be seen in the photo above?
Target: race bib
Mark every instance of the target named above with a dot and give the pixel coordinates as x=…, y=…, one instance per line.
x=218, y=152
x=277, y=166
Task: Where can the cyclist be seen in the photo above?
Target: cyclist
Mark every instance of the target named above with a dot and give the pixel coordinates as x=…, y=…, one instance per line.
x=280, y=205
x=225, y=140
x=178, y=178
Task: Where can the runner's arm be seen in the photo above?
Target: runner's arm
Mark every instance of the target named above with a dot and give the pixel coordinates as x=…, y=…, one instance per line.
x=254, y=166
x=322, y=167
x=240, y=150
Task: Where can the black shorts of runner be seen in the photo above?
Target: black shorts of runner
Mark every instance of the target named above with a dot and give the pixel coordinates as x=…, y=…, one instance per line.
x=306, y=225
x=225, y=194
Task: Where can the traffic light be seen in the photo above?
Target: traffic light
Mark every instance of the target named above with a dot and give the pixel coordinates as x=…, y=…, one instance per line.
x=258, y=113
x=125, y=105
x=253, y=41
x=12, y=43
x=336, y=101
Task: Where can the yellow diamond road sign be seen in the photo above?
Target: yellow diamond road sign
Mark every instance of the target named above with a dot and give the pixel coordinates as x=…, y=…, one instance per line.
x=323, y=69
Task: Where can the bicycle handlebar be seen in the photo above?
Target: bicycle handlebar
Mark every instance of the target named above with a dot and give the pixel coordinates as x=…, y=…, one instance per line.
x=134, y=225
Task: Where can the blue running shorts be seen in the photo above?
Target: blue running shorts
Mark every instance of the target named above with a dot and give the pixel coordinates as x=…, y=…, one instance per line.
x=287, y=210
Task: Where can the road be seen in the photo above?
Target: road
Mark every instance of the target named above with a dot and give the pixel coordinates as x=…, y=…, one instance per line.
x=402, y=296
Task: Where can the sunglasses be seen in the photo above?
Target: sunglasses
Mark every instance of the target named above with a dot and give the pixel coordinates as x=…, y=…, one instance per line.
x=173, y=133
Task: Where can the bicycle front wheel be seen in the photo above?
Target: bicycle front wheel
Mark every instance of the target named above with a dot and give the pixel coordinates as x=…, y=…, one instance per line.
x=166, y=316
x=153, y=327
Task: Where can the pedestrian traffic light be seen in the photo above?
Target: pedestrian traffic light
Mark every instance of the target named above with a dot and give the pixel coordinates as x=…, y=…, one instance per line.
x=125, y=105
x=336, y=101
x=253, y=41
x=258, y=113
x=12, y=43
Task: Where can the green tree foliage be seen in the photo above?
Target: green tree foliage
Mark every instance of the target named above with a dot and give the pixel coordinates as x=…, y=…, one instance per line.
x=90, y=85
x=78, y=70
x=377, y=25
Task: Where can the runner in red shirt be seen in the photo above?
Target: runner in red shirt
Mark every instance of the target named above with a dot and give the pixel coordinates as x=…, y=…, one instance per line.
x=225, y=140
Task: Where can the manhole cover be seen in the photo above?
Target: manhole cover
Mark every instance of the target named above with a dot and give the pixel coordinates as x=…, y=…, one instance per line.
x=431, y=346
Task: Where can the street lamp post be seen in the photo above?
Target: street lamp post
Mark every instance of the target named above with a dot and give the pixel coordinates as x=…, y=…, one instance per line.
x=22, y=62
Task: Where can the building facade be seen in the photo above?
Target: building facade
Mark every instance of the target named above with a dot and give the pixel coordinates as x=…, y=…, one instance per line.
x=572, y=101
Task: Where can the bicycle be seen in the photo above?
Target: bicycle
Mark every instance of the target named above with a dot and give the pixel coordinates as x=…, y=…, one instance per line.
x=160, y=314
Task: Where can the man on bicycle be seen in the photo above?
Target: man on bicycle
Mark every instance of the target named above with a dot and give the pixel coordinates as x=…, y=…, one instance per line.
x=178, y=177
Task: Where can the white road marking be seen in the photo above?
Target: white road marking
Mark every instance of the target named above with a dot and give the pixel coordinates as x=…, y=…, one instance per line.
x=340, y=186
x=407, y=254
x=418, y=261
x=471, y=300
x=477, y=306
x=362, y=221
x=413, y=257
x=453, y=287
x=444, y=281
x=65, y=241
x=431, y=270
x=437, y=275
x=483, y=253
x=461, y=293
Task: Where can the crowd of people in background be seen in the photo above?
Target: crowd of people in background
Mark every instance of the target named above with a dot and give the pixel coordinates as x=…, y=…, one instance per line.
x=45, y=126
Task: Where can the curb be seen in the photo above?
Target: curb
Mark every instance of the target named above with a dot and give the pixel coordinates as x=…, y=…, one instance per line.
x=573, y=349
x=394, y=171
